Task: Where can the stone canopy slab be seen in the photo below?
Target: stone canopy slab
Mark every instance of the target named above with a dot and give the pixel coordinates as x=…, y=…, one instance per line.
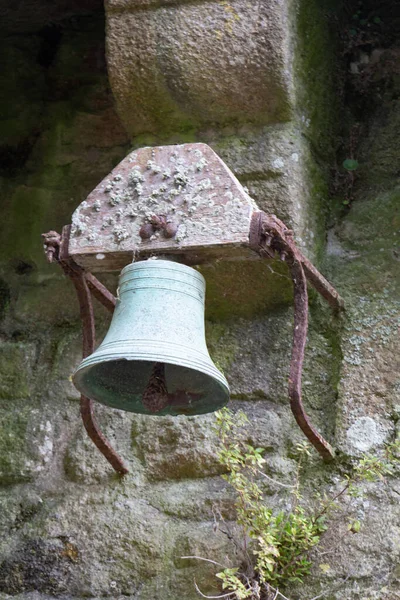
x=179, y=65
x=204, y=209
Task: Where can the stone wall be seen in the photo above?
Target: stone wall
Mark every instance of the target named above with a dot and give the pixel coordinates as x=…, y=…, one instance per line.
x=257, y=82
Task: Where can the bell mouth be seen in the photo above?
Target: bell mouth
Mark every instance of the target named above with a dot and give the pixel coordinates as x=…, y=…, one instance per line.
x=124, y=384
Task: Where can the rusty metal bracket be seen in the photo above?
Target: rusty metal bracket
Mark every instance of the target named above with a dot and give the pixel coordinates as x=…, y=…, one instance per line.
x=183, y=202
x=270, y=236
x=85, y=283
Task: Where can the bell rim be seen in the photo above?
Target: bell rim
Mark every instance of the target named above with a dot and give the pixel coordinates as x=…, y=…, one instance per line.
x=139, y=351
x=137, y=410
x=201, y=367
x=86, y=365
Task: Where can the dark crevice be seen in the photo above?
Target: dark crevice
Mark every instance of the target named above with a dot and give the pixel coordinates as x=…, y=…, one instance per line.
x=5, y=296
x=22, y=267
x=13, y=158
x=51, y=37
x=370, y=31
x=368, y=85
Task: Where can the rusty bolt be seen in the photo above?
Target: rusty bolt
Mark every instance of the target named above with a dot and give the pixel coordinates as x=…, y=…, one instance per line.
x=158, y=222
x=146, y=231
x=52, y=241
x=170, y=229
x=268, y=240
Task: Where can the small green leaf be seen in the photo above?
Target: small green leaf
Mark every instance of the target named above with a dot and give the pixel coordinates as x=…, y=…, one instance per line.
x=354, y=527
x=325, y=568
x=350, y=164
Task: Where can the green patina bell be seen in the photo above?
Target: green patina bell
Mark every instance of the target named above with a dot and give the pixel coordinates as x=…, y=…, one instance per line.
x=154, y=358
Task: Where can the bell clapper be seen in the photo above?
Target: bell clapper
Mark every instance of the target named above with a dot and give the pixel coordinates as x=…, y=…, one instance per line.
x=155, y=396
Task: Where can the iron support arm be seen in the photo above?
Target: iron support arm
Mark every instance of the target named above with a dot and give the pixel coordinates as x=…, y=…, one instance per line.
x=268, y=237
x=85, y=283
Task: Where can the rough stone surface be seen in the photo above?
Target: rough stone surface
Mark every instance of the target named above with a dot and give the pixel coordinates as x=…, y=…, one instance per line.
x=273, y=163
x=182, y=50
x=362, y=259
x=365, y=433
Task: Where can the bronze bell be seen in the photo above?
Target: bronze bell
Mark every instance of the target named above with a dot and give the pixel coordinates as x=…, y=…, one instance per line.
x=154, y=358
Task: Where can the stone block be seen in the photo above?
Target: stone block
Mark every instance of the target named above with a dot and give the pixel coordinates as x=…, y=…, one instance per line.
x=194, y=499
x=183, y=64
x=16, y=362
x=362, y=258
x=51, y=302
x=276, y=166
x=83, y=462
x=205, y=542
x=176, y=447
x=36, y=566
x=124, y=541
x=26, y=443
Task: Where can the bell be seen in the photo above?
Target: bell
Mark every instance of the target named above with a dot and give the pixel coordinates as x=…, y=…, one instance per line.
x=154, y=358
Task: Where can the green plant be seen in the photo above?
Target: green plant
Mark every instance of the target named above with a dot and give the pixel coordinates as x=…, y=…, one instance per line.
x=275, y=545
